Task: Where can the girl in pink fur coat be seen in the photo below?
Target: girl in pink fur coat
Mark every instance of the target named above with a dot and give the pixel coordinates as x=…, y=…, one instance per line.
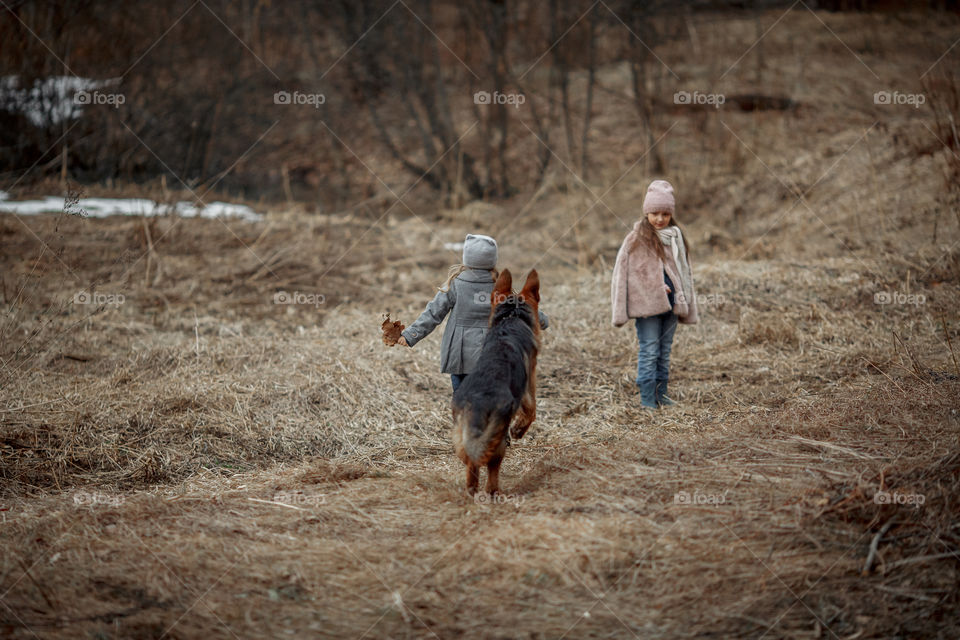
x=653, y=283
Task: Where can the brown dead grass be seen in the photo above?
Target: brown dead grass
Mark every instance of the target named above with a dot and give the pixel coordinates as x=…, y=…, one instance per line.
x=589, y=540
x=200, y=461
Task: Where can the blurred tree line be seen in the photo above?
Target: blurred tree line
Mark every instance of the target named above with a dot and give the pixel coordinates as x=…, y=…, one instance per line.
x=209, y=90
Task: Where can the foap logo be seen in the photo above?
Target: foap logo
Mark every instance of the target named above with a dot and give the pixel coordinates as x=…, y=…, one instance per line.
x=508, y=298
x=695, y=498
x=712, y=99
x=99, y=98
x=897, y=98
x=497, y=298
x=298, y=98
x=497, y=498
x=896, y=297
x=99, y=299
x=485, y=97
x=298, y=499
x=93, y=499
x=299, y=297
x=886, y=497
x=711, y=300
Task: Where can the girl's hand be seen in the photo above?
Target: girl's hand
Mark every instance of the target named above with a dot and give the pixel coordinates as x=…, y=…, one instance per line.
x=402, y=342
x=666, y=288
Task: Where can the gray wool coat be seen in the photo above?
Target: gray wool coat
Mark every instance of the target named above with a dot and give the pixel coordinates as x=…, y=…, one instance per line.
x=468, y=303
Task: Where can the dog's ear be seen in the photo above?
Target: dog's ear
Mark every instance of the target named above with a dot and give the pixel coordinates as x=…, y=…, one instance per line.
x=531, y=288
x=502, y=289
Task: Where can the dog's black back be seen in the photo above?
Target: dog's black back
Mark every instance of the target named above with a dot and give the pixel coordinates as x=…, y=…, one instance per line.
x=491, y=395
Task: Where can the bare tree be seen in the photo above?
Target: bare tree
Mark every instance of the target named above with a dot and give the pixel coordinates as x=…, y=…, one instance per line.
x=560, y=72
x=401, y=67
x=640, y=19
x=591, y=80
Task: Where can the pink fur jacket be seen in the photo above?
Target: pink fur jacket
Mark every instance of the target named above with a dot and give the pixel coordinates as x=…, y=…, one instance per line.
x=637, y=289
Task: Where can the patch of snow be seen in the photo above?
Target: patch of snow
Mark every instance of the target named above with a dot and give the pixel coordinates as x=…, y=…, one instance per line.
x=453, y=246
x=48, y=101
x=30, y=207
x=218, y=210
x=103, y=207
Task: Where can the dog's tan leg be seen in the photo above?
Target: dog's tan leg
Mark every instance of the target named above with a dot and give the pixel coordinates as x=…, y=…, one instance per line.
x=493, y=475
x=520, y=425
x=528, y=407
x=473, y=478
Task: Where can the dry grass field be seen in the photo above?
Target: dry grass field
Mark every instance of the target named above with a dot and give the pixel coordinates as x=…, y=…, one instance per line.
x=189, y=458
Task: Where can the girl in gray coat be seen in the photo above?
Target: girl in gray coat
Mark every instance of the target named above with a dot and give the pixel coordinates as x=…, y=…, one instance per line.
x=466, y=297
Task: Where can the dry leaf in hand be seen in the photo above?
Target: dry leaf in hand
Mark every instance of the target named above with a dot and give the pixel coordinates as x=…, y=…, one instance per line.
x=391, y=331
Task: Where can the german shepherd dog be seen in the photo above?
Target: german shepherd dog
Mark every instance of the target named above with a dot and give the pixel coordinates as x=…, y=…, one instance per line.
x=503, y=387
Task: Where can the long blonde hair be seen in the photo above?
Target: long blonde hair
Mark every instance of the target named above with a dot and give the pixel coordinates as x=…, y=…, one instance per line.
x=648, y=236
x=457, y=269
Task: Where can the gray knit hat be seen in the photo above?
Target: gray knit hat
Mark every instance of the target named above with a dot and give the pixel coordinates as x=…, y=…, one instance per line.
x=479, y=252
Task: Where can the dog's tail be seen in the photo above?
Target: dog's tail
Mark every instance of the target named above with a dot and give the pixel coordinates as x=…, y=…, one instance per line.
x=483, y=429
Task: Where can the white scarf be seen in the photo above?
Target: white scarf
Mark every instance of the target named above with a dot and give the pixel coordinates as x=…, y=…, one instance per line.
x=671, y=237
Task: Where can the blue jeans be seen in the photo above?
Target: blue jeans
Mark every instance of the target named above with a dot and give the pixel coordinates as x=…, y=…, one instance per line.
x=655, y=337
x=456, y=379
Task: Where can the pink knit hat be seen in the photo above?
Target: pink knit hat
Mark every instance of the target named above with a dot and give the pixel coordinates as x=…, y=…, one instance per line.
x=659, y=197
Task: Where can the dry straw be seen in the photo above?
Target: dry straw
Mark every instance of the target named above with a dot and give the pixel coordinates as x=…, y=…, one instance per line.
x=207, y=460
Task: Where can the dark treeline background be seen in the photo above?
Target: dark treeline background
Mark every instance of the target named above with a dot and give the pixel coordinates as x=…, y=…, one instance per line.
x=398, y=79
